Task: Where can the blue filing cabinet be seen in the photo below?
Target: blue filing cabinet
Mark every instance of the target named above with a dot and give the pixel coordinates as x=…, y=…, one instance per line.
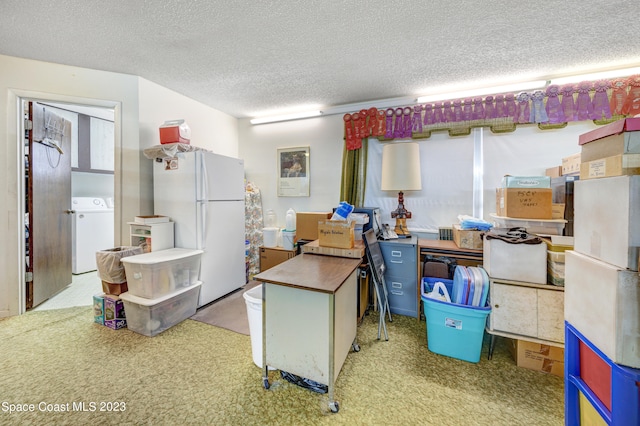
x=401, y=275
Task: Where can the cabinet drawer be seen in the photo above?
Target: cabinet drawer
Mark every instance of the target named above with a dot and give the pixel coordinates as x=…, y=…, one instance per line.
x=403, y=295
x=400, y=260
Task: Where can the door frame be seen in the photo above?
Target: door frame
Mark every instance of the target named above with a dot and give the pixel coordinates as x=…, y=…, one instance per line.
x=16, y=98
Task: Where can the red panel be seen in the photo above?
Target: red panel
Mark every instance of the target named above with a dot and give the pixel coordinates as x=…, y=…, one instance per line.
x=596, y=373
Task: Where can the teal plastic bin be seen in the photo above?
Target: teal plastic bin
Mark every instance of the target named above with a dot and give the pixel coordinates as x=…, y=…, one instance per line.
x=453, y=330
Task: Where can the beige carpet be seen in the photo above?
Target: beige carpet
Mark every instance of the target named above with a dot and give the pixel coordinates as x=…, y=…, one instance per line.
x=196, y=374
x=229, y=312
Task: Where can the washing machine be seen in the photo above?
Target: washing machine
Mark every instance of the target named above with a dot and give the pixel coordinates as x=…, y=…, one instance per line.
x=92, y=231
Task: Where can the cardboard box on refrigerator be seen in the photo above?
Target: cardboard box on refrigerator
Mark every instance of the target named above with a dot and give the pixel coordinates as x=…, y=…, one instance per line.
x=307, y=224
x=537, y=356
x=523, y=203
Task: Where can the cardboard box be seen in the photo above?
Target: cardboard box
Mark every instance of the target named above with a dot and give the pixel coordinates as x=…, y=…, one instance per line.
x=108, y=310
x=524, y=203
x=553, y=172
x=114, y=288
x=336, y=233
x=356, y=252
x=618, y=165
x=571, y=164
x=620, y=126
x=509, y=181
x=557, y=210
x=623, y=143
x=467, y=238
x=98, y=309
x=603, y=302
x=538, y=357
x=307, y=224
x=272, y=256
x=114, y=315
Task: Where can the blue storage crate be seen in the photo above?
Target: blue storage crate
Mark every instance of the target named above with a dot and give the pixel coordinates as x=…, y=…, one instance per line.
x=453, y=330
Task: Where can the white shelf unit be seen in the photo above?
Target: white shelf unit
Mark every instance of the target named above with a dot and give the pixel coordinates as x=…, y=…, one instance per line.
x=151, y=236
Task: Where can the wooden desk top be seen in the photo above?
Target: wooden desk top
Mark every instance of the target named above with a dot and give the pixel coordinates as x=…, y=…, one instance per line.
x=314, y=272
x=445, y=245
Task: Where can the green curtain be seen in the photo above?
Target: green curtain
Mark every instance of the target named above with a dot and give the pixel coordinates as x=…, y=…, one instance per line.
x=354, y=174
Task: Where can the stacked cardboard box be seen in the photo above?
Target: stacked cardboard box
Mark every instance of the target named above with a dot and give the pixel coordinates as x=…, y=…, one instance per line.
x=524, y=197
x=612, y=150
x=602, y=292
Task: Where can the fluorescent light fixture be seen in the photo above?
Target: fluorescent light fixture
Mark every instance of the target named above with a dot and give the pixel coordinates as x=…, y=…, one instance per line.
x=285, y=117
x=516, y=87
x=596, y=76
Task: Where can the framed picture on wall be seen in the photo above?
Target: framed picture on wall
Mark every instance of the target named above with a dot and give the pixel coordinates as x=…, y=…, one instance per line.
x=293, y=172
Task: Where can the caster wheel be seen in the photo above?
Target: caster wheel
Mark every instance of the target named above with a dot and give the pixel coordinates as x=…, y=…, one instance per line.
x=265, y=383
x=334, y=406
x=356, y=348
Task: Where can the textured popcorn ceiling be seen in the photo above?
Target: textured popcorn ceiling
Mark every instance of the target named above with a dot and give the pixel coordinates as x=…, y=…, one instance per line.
x=252, y=57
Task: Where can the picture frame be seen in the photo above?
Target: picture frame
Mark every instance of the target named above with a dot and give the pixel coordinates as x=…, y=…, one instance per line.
x=293, y=172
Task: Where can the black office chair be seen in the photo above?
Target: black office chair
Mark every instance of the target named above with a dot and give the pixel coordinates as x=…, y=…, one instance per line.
x=377, y=267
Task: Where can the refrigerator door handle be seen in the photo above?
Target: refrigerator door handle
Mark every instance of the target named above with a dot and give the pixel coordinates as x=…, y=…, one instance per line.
x=202, y=235
x=203, y=184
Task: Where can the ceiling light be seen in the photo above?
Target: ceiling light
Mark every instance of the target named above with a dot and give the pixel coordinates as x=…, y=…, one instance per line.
x=516, y=87
x=596, y=76
x=285, y=117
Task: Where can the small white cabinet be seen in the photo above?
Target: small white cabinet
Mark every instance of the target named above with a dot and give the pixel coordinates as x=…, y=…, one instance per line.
x=527, y=310
x=152, y=236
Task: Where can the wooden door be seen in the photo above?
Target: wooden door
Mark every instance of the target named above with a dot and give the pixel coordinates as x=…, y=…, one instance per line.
x=48, y=204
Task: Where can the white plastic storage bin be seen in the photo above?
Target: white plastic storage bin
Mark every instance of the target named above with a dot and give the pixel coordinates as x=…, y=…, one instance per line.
x=602, y=301
x=517, y=262
x=155, y=274
x=153, y=316
x=533, y=226
x=607, y=219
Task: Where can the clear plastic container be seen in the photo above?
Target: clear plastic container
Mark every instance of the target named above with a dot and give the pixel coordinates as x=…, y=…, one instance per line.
x=270, y=219
x=290, y=221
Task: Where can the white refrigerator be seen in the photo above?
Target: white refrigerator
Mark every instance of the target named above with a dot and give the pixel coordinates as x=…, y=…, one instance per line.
x=203, y=193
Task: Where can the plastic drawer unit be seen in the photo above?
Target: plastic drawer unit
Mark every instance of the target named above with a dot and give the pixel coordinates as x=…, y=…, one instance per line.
x=597, y=390
x=401, y=275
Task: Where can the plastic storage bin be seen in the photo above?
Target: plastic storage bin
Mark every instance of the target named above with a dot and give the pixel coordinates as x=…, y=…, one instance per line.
x=453, y=330
x=153, y=316
x=155, y=274
x=533, y=226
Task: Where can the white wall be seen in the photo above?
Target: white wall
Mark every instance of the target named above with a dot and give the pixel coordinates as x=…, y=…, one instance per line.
x=140, y=107
x=210, y=128
x=447, y=162
x=42, y=80
x=323, y=136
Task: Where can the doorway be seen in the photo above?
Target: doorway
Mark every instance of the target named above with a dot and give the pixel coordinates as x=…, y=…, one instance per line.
x=91, y=173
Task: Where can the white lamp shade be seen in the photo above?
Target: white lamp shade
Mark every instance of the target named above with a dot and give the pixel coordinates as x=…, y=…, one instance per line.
x=401, y=167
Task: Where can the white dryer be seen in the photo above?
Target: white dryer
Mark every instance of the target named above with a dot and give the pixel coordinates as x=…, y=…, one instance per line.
x=92, y=231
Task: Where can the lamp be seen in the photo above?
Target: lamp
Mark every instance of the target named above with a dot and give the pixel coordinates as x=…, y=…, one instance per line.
x=401, y=172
